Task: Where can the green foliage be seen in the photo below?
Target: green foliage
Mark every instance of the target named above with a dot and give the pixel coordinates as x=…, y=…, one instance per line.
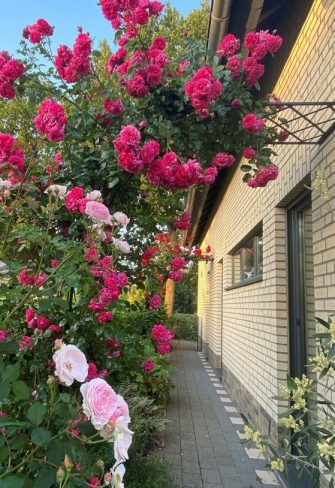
x=308, y=447
x=185, y=293
x=150, y=472
x=184, y=326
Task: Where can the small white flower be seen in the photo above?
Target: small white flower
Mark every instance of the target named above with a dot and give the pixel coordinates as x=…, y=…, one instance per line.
x=3, y=268
x=57, y=191
x=122, y=246
x=121, y=218
x=94, y=195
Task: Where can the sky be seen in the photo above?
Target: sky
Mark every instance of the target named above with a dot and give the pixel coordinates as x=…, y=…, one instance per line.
x=65, y=15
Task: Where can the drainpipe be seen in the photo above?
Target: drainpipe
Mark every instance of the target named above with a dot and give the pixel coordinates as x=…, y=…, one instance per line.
x=218, y=23
x=217, y=28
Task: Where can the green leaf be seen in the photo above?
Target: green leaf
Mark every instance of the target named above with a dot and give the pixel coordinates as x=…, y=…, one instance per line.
x=245, y=168
x=19, y=442
x=10, y=347
x=15, y=481
x=11, y=372
x=65, y=397
x=41, y=437
x=56, y=451
x=36, y=413
x=4, y=390
x=21, y=390
x=45, y=478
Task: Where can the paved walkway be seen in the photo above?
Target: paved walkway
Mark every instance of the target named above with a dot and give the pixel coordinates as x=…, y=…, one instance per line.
x=202, y=437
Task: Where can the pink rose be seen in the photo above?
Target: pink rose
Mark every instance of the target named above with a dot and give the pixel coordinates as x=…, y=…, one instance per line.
x=70, y=364
x=99, y=402
x=148, y=366
x=98, y=212
x=121, y=218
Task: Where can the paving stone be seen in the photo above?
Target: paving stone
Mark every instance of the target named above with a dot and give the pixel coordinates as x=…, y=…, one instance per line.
x=211, y=475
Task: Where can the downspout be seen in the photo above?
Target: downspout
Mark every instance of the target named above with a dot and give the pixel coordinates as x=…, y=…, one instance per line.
x=217, y=28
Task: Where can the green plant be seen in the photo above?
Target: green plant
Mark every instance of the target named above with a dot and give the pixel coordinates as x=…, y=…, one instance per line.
x=309, y=443
x=150, y=472
x=184, y=326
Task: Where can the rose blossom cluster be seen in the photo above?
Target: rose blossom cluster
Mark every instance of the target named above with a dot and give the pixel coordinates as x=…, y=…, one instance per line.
x=113, y=348
x=107, y=411
x=147, y=67
x=113, y=107
x=73, y=64
x=39, y=322
x=77, y=202
x=148, y=254
x=35, y=33
x=131, y=155
x=167, y=171
x=170, y=173
x=10, y=70
x=162, y=337
x=155, y=302
x=252, y=124
x=223, y=160
x=93, y=372
x=259, y=43
x=183, y=223
x=11, y=156
x=51, y=120
x=129, y=15
x=203, y=89
x=177, y=265
x=148, y=366
x=112, y=283
x=27, y=278
x=263, y=176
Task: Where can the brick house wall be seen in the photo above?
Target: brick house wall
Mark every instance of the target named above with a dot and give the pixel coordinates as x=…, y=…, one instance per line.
x=253, y=320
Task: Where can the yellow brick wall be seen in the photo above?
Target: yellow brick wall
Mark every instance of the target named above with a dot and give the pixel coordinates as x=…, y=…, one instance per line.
x=255, y=317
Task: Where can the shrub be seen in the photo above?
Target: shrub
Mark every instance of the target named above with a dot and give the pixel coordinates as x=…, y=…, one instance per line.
x=184, y=326
x=150, y=472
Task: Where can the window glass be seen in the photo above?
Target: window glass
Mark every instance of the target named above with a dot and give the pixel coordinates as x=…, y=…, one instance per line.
x=248, y=251
x=248, y=260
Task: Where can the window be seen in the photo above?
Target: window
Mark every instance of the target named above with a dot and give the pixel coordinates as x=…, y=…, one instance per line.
x=248, y=260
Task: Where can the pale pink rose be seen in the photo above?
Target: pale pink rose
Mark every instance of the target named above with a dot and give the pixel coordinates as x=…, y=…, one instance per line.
x=70, y=364
x=94, y=195
x=99, y=401
x=98, y=212
x=122, y=409
x=121, y=218
x=122, y=246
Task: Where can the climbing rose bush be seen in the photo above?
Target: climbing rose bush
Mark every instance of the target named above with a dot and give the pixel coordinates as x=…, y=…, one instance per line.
x=149, y=126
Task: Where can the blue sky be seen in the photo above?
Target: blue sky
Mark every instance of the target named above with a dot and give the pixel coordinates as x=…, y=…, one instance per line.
x=65, y=15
